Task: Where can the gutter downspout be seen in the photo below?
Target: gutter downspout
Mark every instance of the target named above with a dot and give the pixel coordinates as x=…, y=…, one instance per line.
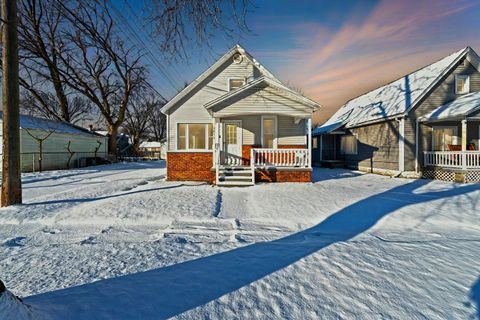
x=401, y=145
x=417, y=126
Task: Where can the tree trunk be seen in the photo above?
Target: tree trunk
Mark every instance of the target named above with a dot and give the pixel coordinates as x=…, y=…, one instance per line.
x=11, y=174
x=112, y=141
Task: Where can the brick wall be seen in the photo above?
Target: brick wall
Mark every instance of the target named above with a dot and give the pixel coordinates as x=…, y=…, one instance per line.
x=189, y=166
x=283, y=176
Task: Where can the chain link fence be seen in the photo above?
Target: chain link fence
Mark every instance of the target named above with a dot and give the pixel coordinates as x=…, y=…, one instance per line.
x=34, y=161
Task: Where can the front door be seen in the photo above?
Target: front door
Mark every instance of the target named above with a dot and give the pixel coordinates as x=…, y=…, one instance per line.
x=232, y=139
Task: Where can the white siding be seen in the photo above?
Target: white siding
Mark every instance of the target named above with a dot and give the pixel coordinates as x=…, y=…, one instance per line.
x=192, y=109
x=261, y=101
x=288, y=132
x=291, y=133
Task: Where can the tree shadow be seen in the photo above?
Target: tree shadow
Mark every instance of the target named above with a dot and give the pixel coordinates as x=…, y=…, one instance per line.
x=475, y=296
x=169, y=291
x=128, y=192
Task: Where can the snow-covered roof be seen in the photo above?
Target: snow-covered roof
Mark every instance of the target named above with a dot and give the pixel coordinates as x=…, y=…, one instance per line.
x=275, y=83
x=35, y=123
x=150, y=144
x=398, y=97
x=458, y=108
x=235, y=49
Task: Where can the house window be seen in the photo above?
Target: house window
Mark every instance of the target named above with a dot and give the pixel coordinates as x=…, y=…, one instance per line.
x=314, y=142
x=194, y=136
x=442, y=137
x=268, y=132
x=348, y=144
x=234, y=84
x=462, y=84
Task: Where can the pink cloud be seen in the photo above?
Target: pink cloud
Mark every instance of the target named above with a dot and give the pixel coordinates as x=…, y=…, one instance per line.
x=397, y=37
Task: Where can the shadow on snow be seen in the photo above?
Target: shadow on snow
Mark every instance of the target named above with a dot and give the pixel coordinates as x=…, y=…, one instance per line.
x=169, y=291
x=475, y=296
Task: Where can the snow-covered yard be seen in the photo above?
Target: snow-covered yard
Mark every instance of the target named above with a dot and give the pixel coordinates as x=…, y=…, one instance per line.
x=119, y=242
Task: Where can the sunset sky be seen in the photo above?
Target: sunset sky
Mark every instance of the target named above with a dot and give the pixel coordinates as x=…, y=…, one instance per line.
x=336, y=50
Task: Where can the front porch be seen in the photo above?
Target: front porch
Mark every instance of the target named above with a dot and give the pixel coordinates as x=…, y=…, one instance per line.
x=451, y=144
x=245, y=153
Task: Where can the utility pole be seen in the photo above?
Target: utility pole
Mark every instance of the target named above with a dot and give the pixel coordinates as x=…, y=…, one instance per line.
x=11, y=174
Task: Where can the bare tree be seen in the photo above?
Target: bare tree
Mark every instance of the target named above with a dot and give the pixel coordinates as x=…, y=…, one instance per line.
x=71, y=153
x=158, y=122
x=176, y=23
x=11, y=170
x=99, y=144
x=40, y=140
x=99, y=65
x=138, y=115
x=41, y=24
x=79, y=107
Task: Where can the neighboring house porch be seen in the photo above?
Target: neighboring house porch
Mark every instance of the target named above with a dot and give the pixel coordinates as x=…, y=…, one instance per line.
x=451, y=150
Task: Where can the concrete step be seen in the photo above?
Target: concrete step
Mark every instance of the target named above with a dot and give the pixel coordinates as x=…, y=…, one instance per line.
x=235, y=178
x=235, y=183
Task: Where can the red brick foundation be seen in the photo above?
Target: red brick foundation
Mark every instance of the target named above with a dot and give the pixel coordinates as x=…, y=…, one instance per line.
x=189, y=166
x=290, y=175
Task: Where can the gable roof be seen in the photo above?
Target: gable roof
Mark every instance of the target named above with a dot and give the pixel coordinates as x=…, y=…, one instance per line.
x=396, y=98
x=195, y=83
x=458, y=108
x=261, y=82
x=35, y=123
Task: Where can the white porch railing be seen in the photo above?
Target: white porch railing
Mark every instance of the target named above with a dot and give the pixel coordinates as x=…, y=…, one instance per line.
x=279, y=157
x=452, y=159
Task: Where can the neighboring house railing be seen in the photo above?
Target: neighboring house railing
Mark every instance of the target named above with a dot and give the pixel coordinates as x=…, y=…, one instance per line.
x=452, y=159
x=279, y=157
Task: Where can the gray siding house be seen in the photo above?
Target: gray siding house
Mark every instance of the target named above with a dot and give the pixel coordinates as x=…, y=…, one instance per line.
x=237, y=124
x=423, y=124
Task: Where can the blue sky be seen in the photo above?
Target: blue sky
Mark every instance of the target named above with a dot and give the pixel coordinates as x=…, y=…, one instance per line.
x=336, y=50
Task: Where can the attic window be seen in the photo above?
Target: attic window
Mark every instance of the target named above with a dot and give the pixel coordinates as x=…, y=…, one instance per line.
x=234, y=84
x=462, y=84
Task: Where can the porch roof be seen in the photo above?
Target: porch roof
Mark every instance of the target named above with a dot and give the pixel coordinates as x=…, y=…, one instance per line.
x=458, y=109
x=274, y=97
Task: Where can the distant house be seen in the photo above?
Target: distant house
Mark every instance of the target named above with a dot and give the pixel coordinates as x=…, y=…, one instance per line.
x=237, y=124
x=423, y=124
x=153, y=149
x=61, y=142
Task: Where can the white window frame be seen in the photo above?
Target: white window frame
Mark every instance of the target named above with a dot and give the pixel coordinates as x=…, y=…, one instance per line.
x=187, y=136
x=228, y=82
x=455, y=135
x=341, y=145
x=314, y=142
x=275, y=130
x=467, y=83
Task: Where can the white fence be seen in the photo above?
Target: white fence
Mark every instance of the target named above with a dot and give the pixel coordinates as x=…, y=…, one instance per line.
x=452, y=159
x=279, y=157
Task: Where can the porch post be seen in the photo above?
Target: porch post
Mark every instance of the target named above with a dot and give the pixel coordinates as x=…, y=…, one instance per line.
x=464, y=144
x=309, y=132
